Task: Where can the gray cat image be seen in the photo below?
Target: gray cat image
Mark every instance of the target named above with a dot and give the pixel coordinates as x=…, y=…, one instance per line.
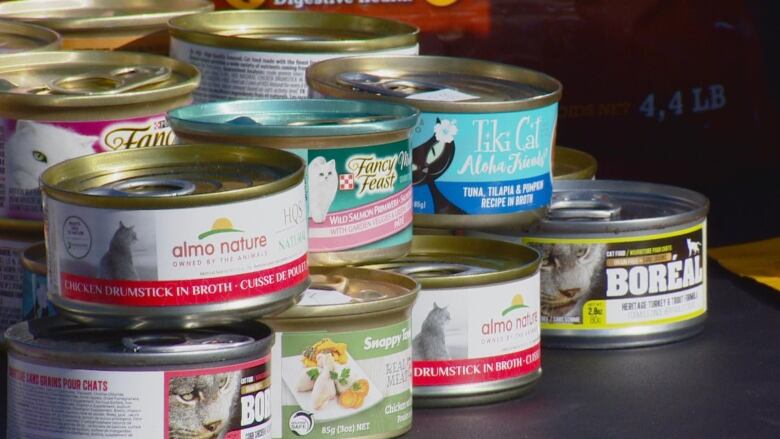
x=202, y=406
x=430, y=343
x=570, y=274
x=117, y=262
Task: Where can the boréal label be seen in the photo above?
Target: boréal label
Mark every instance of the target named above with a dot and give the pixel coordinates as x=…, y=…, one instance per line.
x=30, y=147
x=11, y=284
x=35, y=301
x=359, y=198
x=621, y=282
x=478, y=334
x=482, y=164
x=46, y=401
x=229, y=74
x=343, y=384
x=178, y=257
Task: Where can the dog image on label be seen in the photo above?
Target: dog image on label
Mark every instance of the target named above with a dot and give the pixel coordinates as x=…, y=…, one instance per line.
x=323, y=185
x=117, y=262
x=570, y=273
x=33, y=147
x=202, y=406
x=430, y=343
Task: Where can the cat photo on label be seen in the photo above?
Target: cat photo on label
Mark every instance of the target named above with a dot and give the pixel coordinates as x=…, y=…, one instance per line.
x=431, y=160
x=117, y=262
x=431, y=342
x=570, y=275
x=323, y=185
x=202, y=406
x=33, y=147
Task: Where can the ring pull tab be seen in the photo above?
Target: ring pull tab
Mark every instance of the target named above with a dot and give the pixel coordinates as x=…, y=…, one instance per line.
x=438, y=269
x=341, y=284
x=146, y=187
x=178, y=343
x=387, y=86
x=598, y=207
x=111, y=82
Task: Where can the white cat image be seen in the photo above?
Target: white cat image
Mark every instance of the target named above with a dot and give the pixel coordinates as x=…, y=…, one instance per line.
x=323, y=184
x=694, y=247
x=34, y=146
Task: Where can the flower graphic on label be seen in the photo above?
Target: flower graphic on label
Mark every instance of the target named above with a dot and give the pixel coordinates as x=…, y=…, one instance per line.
x=517, y=303
x=445, y=131
x=221, y=225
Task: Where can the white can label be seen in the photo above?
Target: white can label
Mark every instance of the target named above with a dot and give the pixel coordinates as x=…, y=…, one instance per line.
x=239, y=74
x=178, y=257
x=47, y=402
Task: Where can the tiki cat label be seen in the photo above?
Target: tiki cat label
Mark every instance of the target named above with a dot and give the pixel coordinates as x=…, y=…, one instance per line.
x=482, y=164
x=29, y=147
x=343, y=384
x=232, y=401
x=176, y=257
x=622, y=282
x=477, y=334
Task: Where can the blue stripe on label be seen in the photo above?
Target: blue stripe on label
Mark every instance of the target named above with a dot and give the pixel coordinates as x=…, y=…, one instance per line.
x=498, y=197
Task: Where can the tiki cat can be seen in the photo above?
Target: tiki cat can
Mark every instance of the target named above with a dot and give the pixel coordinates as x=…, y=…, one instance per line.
x=624, y=264
x=359, y=170
x=180, y=236
x=264, y=54
x=342, y=357
x=482, y=148
x=22, y=37
x=105, y=383
x=573, y=164
x=35, y=301
x=475, y=325
x=134, y=25
x=15, y=237
x=59, y=105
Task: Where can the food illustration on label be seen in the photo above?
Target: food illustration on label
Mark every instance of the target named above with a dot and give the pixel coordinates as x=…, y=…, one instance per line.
x=117, y=262
x=202, y=406
x=570, y=273
x=323, y=186
x=431, y=159
x=430, y=343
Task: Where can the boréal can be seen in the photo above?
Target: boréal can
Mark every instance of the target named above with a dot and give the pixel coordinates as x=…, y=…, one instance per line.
x=573, y=164
x=342, y=357
x=22, y=37
x=66, y=380
x=35, y=301
x=134, y=25
x=624, y=264
x=359, y=175
x=15, y=237
x=476, y=322
x=59, y=105
x=264, y=54
x=482, y=148
x=172, y=237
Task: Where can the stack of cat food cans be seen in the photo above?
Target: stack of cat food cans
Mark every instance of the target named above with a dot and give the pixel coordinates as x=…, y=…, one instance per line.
x=267, y=276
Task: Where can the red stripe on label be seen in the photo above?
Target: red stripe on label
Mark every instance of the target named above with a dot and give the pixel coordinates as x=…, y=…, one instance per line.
x=477, y=370
x=184, y=292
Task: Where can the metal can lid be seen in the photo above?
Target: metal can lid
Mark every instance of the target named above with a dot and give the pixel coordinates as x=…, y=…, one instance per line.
x=87, y=78
x=293, y=118
x=439, y=261
x=23, y=37
x=573, y=164
x=34, y=258
x=172, y=176
x=435, y=83
x=71, y=15
x=56, y=338
x=613, y=206
x=293, y=31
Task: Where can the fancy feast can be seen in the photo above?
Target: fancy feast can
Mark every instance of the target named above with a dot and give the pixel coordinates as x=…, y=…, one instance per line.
x=35, y=287
x=181, y=236
x=573, y=164
x=66, y=380
x=22, y=37
x=624, y=264
x=359, y=166
x=264, y=54
x=59, y=105
x=136, y=25
x=476, y=321
x=15, y=237
x=342, y=358
x=482, y=148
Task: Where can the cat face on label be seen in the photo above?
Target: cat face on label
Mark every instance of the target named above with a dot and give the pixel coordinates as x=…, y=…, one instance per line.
x=431, y=342
x=34, y=146
x=117, y=262
x=202, y=406
x=570, y=274
x=323, y=185
x=431, y=159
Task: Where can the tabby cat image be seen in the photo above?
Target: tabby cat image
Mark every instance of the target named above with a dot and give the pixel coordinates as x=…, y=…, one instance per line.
x=431, y=343
x=117, y=262
x=570, y=274
x=201, y=406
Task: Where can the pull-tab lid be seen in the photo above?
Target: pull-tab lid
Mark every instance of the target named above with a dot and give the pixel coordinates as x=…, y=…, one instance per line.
x=183, y=342
x=576, y=206
x=106, y=82
x=293, y=118
x=22, y=37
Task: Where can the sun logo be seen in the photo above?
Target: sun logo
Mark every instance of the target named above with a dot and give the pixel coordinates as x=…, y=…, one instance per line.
x=221, y=225
x=517, y=303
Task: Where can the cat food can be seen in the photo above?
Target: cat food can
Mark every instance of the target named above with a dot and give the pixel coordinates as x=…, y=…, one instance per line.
x=342, y=357
x=22, y=37
x=35, y=301
x=475, y=324
x=67, y=380
x=264, y=54
x=573, y=164
x=134, y=25
x=59, y=105
x=624, y=264
x=171, y=237
x=482, y=149
x=359, y=179
x=15, y=237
